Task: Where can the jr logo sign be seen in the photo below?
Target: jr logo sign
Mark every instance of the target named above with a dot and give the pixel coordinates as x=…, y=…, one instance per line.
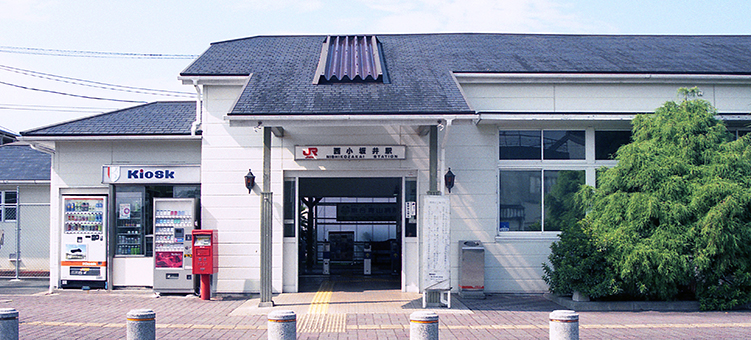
x=311, y=153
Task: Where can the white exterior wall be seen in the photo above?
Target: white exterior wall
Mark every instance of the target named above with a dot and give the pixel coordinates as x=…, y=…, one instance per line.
x=77, y=169
x=598, y=98
x=33, y=201
x=228, y=153
x=513, y=260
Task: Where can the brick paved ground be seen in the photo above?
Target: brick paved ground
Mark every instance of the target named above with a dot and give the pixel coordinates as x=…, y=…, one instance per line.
x=350, y=314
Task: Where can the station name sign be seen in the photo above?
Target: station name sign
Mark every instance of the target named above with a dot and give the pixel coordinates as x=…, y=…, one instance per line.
x=351, y=152
x=151, y=174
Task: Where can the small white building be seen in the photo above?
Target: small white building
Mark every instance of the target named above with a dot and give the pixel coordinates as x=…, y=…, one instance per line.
x=363, y=130
x=24, y=211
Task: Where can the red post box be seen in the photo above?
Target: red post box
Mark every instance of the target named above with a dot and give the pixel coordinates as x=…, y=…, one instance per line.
x=204, y=252
x=204, y=259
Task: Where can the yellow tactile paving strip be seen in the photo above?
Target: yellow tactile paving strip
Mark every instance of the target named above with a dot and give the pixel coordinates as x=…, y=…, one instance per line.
x=317, y=320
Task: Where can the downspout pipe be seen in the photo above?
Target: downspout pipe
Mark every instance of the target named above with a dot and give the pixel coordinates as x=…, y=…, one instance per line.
x=199, y=108
x=449, y=121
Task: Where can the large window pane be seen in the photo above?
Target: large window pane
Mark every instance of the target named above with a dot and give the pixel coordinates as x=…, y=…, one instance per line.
x=521, y=197
x=608, y=142
x=290, y=194
x=560, y=188
x=564, y=144
x=10, y=197
x=519, y=144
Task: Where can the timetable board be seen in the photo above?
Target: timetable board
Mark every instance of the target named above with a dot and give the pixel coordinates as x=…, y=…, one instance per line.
x=436, y=243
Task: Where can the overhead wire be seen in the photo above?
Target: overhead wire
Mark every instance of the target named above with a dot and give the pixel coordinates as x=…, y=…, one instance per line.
x=92, y=54
x=95, y=84
x=72, y=95
x=52, y=108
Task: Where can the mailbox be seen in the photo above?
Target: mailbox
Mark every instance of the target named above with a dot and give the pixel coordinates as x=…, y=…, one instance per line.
x=204, y=252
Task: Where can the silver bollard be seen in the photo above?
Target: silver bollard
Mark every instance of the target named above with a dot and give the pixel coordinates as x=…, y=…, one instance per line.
x=8, y=324
x=423, y=325
x=564, y=325
x=282, y=325
x=141, y=324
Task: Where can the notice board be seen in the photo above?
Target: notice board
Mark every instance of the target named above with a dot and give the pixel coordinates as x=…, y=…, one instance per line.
x=436, y=243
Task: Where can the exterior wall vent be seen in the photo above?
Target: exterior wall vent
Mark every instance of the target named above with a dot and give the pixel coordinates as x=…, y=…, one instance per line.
x=350, y=59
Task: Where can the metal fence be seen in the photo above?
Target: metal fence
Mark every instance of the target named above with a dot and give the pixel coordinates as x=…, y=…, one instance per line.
x=25, y=248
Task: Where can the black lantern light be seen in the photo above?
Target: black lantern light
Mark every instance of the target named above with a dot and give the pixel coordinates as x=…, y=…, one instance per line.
x=449, y=178
x=250, y=180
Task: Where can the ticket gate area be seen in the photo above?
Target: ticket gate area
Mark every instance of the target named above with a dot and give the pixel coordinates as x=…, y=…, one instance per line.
x=348, y=235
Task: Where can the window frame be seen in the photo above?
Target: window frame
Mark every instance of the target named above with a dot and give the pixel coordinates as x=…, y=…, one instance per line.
x=589, y=165
x=4, y=205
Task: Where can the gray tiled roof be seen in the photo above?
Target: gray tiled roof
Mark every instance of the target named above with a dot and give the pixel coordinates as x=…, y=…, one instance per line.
x=22, y=163
x=420, y=66
x=158, y=118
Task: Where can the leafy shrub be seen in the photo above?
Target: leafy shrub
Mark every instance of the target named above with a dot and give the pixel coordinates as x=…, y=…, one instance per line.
x=674, y=214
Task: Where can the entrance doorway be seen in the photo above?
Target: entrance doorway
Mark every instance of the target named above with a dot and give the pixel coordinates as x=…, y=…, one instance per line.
x=343, y=223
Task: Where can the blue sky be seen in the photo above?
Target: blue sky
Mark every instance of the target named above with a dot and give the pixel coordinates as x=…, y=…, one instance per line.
x=189, y=26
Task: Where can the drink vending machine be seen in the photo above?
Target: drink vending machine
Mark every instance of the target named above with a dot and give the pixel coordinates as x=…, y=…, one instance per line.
x=83, y=258
x=174, y=220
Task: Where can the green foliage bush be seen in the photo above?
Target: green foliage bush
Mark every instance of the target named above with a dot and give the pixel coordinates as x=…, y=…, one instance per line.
x=673, y=217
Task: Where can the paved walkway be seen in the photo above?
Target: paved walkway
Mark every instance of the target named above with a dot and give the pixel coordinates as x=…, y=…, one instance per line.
x=333, y=313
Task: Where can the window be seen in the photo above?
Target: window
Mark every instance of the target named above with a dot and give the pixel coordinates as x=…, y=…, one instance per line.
x=540, y=171
x=538, y=200
x=547, y=144
x=290, y=194
x=608, y=142
x=8, y=205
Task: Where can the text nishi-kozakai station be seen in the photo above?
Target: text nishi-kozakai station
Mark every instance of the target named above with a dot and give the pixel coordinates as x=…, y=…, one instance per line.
x=420, y=161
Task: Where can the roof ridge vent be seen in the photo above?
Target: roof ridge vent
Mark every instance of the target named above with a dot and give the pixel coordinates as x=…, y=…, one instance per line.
x=349, y=59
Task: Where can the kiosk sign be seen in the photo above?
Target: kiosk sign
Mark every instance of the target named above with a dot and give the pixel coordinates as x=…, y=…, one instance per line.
x=150, y=174
x=351, y=152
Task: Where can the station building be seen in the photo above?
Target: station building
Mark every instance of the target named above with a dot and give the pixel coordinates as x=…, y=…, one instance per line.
x=406, y=145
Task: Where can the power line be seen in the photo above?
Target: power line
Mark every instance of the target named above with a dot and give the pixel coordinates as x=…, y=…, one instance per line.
x=92, y=54
x=70, y=94
x=95, y=84
x=50, y=108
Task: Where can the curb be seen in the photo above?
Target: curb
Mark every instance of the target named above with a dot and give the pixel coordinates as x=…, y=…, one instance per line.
x=624, y=306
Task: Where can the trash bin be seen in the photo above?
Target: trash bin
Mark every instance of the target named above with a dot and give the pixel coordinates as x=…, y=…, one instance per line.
x=471, y=270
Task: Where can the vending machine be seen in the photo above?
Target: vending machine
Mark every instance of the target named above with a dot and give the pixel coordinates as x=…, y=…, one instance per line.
x=174, y=220
x=83, y=260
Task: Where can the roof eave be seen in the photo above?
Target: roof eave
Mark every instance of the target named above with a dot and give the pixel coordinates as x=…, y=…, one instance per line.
x=38, y=138
x=371, y=119
x=599, y=78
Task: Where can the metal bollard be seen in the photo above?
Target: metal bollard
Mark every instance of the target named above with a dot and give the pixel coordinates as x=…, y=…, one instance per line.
x=423, y=325
x=564, y=325
x=141, y=324
x=8, y=324
x=282, y=325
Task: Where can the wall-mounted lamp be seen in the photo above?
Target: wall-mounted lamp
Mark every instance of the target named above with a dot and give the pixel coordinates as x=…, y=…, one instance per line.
x=250, y=180
x=449, y=178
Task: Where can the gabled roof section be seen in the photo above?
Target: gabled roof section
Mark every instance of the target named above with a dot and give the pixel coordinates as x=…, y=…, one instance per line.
x=421, y=67
x=157, y=118
x=22, y=163
x=7, y=137
x=349, y=59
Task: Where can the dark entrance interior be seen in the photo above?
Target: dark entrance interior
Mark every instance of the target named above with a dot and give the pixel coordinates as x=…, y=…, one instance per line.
x=339, y=220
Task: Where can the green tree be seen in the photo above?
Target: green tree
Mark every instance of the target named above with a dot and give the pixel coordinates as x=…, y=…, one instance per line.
x=672, y=217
